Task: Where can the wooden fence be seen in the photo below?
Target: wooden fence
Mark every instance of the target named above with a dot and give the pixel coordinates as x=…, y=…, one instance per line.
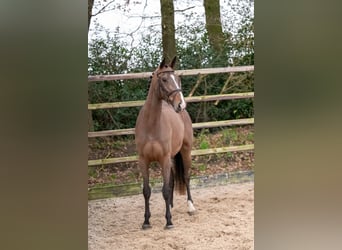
x=189, y=99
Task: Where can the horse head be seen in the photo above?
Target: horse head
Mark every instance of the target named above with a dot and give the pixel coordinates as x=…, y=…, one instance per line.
x=170, y=85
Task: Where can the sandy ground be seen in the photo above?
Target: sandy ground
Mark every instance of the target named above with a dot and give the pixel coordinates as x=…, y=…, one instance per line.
x=224, y=220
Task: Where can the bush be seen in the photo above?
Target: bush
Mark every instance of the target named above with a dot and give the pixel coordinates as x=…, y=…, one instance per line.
x=110, y=56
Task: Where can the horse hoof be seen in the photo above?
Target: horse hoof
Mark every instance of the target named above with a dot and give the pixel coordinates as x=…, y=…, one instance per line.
x=168, y=226
x=192, y=212
x=146, y=226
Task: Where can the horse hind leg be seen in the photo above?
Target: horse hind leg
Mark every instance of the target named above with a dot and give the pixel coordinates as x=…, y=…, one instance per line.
x=186, y=158
x=172, y=185
x=167, y=189
x=191, y=207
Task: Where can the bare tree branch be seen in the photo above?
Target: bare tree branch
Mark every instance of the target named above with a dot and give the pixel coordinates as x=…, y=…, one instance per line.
x=142, y=20
x=104, y=7
x=143, y=17
x=185, y=9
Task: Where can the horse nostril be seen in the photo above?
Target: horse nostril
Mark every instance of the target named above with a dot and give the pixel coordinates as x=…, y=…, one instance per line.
x=182, y=105
x=178, y=108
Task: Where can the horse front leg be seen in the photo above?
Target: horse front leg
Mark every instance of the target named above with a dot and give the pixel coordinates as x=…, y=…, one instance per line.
x=167, y=189
x=146, y=192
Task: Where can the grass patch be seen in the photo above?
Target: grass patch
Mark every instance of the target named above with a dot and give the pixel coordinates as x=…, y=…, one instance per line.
x=202, y=167
x=250, y=136
x=204, y=144
x=229, y=155
x=204, y=140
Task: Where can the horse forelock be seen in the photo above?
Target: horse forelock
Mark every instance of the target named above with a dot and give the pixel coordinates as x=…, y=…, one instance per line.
x=164, y=68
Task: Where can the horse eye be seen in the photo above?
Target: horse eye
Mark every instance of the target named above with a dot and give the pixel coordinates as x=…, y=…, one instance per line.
x=164, y=79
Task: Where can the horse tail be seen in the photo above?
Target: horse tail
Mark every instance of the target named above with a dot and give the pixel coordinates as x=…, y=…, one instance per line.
x=179, y=174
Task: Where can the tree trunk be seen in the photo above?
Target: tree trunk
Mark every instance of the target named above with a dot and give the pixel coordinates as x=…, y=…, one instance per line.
x=213, y=24
x=90, y=10
x=168, y=29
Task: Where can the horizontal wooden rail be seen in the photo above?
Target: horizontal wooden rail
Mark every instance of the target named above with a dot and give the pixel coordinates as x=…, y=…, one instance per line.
x=206, y=98
x=112, y=160
x=222, y=150
x=130, y=131
x=187, y=99
x=186, y=72
x=193, y=153
x=223, y=123
x=125, y=131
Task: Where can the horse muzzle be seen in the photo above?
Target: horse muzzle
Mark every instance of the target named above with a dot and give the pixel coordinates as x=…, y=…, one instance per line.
x=180, y=107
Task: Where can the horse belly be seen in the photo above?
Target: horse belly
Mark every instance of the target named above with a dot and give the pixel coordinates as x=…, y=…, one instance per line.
x=177, y=142
x=177, y=134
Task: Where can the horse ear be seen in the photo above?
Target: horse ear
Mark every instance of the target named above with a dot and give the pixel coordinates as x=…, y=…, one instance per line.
x=173, y=62
x=162, y=64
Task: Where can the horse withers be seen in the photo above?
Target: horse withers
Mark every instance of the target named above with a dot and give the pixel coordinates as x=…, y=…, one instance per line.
x=163, y=134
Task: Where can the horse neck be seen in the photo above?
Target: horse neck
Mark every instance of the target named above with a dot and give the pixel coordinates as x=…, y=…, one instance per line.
x=153, y=106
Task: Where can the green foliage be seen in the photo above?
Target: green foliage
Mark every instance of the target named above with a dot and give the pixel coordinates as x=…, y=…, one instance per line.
x=229, y=155
x=225, y=137
x=202, y=167
x=110, y=55
x=204, y=144
x=250, y=136
x=204, y=139
x=233, y=135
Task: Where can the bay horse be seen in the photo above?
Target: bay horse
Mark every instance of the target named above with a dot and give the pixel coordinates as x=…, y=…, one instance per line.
x=163, y=134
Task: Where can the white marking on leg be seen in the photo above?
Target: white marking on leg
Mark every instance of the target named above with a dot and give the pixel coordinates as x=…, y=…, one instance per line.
x=183, y=103
x=191, y=207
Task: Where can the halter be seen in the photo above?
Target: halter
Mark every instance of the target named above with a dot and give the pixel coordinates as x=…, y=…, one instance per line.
x=161, y=85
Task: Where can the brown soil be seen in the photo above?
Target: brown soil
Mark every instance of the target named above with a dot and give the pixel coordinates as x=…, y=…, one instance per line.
x=224, y=220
